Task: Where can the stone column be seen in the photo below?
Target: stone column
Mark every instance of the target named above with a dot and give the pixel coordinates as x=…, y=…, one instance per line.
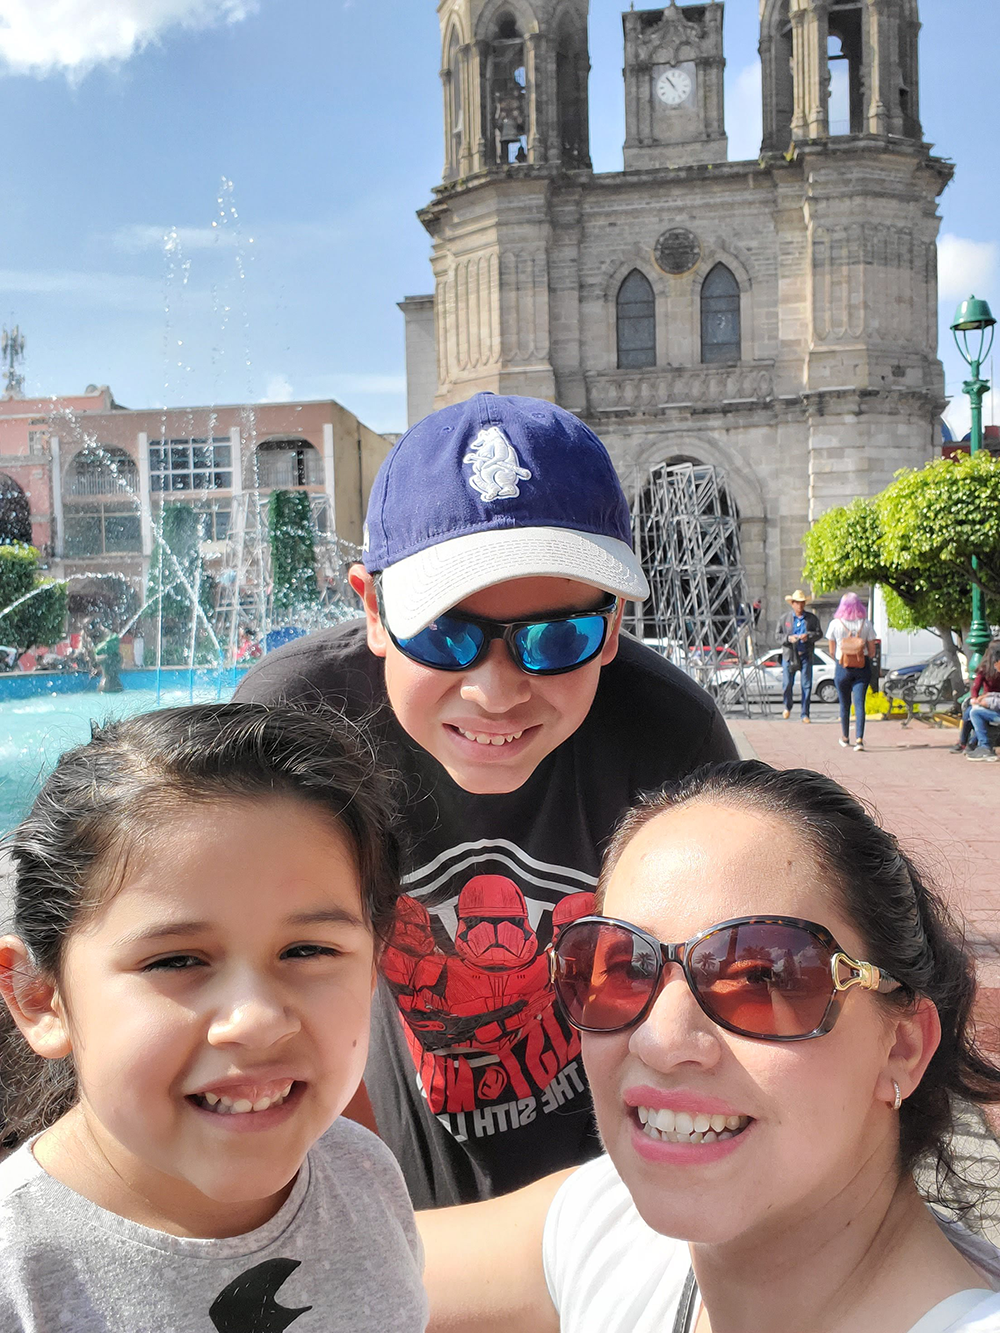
x=58, y=539
x=810, y=36
x=539, y=97
x=145, y=495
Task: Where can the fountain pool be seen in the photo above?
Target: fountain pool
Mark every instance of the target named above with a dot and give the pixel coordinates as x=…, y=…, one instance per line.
x=35, y=731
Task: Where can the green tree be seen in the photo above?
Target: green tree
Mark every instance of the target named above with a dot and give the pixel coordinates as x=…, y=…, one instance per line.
x=293, y=555
x=175, y=573
x=917, y=539
x=41, y=619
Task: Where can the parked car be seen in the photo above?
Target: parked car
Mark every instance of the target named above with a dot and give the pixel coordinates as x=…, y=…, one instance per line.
x=764, y=678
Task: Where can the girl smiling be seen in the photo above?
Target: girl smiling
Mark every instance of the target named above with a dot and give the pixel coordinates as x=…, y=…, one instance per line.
x=199, y=899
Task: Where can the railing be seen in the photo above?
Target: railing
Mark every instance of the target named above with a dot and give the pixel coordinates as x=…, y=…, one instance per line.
x=639, y=390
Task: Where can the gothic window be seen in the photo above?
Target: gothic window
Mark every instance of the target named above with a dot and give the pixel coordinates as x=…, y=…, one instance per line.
x=571, y=79
x=636, y=322
x=283, y=464
x=508, y=93
x=15, y=512
x=720, y=316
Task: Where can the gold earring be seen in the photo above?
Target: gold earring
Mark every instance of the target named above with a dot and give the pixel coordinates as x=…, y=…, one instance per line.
x=898, y=1102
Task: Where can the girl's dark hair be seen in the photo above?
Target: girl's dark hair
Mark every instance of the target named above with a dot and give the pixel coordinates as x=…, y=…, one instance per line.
x=905, y=927
x=103, y=797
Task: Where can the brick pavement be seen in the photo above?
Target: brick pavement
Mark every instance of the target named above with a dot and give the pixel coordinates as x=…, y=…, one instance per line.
x=943, y=809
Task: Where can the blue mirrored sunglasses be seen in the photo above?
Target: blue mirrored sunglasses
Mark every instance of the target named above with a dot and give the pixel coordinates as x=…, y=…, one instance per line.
x=546, y=645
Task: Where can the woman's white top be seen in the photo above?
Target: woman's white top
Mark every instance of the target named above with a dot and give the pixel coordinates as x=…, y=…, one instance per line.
x=608, y=1272
x=850, y=629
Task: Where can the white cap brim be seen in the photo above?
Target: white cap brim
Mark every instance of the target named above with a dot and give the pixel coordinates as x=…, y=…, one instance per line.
x=417, y=589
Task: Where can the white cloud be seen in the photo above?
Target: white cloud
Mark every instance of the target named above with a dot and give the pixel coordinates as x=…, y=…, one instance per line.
x=140, y=237
x=744, y=114
x=964, y=267
x=290, y=237
x=342, y=385
x=107, y=289
x=39, y=36
x=278, y=390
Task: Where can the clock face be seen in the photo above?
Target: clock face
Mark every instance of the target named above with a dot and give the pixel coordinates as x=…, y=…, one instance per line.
x=673, y=87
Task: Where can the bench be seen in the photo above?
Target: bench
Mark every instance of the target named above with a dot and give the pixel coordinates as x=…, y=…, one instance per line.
x=939, y=682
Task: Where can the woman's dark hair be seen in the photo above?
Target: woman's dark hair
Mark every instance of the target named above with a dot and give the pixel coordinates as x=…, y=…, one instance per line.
x=990, y=665
x=103, y=797
x=906, y=929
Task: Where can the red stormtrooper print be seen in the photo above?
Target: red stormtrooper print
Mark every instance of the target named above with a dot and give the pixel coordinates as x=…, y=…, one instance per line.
x=569, y=909
x=415, y=968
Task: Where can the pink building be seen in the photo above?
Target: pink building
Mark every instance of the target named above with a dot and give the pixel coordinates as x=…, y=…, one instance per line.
x=85, y=479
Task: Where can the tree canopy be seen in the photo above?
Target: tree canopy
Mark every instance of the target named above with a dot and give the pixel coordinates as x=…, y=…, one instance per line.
x=917, y=538
x=40, y=619
x=293, y=555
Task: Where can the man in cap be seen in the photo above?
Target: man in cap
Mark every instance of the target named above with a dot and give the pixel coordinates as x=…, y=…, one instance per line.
x=797, y=632
x=492, y=670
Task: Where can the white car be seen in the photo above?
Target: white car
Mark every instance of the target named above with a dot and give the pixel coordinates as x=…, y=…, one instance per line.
x=766, y=678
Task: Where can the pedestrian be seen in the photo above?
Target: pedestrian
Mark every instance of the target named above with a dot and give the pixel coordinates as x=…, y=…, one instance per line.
x=797, y=632
x=772, y=1060
x=492, y=669
x=852, y=647
x=199, y=899
x=984, y=703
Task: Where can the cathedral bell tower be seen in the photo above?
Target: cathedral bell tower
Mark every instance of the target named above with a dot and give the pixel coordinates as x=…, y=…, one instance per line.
x=515, y=84
x=839, y=67
x=514, y=76
x=674, y=115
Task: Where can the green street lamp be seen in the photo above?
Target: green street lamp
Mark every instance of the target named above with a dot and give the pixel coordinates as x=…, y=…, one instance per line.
x=973, y=330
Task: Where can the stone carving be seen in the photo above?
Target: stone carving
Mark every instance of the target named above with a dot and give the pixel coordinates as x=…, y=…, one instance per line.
x=677, y=251
x=699, y=385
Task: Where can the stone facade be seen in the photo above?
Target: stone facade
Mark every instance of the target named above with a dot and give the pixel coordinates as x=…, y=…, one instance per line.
x=777, y=318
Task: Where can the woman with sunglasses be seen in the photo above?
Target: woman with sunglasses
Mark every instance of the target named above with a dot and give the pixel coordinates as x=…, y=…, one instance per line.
x=776, y=1023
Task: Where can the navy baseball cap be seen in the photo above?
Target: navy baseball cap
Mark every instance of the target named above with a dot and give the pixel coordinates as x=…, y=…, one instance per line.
x=492, y=489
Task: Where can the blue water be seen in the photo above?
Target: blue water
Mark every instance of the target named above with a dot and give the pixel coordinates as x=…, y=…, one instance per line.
x=35, y=731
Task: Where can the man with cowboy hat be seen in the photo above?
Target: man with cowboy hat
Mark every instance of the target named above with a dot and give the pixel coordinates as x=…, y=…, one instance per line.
x=797, y=632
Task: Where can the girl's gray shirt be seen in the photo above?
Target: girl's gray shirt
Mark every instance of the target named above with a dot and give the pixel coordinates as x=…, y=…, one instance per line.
x=342, y=1254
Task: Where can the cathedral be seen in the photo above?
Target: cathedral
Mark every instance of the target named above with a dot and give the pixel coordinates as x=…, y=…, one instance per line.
x=776, y=318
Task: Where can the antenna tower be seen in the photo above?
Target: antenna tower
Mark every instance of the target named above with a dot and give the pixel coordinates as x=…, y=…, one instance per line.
x=12, y=351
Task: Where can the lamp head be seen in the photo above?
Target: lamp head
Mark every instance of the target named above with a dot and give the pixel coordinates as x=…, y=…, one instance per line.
x=973, y=316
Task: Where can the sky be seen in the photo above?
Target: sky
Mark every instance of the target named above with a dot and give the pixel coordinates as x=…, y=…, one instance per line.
x=212, y=201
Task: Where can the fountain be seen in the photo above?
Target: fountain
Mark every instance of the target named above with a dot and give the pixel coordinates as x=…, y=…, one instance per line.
x=282, y=572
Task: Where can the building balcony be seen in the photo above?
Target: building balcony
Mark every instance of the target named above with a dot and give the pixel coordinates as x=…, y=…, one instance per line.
x=659, y=388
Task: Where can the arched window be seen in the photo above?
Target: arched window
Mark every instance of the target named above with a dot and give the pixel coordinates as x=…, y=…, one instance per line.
x=283, y=464
x=104, y=470
x=636, y=322
x=455, y=110
x=15, y=512
x=720, y=316
x=508, y=93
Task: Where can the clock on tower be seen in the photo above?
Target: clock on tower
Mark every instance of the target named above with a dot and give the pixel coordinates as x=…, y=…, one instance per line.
x=673, y=86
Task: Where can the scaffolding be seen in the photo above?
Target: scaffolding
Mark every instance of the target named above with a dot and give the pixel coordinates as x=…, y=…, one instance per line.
x=699, y=613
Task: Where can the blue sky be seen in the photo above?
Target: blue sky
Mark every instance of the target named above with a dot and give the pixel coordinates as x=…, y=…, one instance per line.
x=308, y=132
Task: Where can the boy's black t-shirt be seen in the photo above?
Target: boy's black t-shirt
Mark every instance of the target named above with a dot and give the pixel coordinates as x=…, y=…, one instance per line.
x=474, y=1077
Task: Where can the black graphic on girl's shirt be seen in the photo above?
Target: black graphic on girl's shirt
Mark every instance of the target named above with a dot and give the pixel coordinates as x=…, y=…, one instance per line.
x=248, y=1304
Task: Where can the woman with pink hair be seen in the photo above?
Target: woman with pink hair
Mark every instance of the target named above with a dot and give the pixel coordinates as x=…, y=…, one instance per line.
x=852, y=646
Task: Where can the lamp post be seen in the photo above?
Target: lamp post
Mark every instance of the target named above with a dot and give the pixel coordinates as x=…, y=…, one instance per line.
x=976, y=319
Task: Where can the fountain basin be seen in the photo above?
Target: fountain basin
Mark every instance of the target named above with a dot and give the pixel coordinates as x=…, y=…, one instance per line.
x=30, y=684
x=36, y=728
